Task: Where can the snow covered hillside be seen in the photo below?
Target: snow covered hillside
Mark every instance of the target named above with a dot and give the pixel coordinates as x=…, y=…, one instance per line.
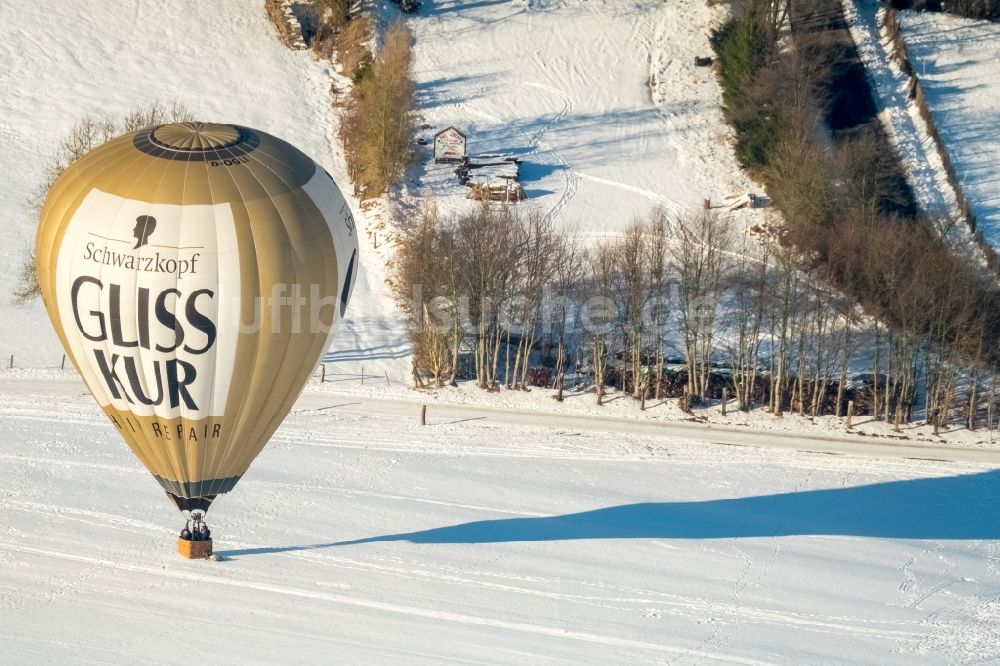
x=221, y=60
x=601, y=100
x=958, y=63
x=900, y=116
x=361, y=537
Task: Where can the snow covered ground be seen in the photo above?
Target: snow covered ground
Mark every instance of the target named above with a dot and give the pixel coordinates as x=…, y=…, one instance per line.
x=621, y=410
x=600, y=100
x=958, y=63
x=361, y=537
x=900, y=116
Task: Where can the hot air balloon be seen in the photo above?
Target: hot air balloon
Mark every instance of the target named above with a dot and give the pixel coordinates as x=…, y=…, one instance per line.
x=194, y=273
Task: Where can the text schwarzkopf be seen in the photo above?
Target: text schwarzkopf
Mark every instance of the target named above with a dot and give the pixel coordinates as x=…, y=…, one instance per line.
x=154, y=263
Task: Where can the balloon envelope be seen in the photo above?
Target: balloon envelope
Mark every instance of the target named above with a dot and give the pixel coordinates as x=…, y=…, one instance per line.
x=194, y=273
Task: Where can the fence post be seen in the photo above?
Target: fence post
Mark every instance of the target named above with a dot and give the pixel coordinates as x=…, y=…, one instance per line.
x=387, y=383
x=850, y=414
x=63, y=365
x=362, y=375
x=423, y=415
x=11, y=362
x=322, y=374
x=725, y=399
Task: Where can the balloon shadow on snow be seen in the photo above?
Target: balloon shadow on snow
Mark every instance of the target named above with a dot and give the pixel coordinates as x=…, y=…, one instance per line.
x=945, y=508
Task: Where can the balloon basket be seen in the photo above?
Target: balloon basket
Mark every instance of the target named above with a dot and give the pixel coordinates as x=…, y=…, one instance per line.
x=194, y=550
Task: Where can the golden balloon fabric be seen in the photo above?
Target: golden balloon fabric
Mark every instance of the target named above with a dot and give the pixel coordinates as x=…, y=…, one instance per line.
x=195, y=273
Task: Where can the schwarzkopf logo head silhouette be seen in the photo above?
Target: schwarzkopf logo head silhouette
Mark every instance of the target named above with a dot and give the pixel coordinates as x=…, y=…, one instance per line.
x=145, y=225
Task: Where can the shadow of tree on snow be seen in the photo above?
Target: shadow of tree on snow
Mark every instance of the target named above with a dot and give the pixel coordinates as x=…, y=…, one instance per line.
x=944, y=508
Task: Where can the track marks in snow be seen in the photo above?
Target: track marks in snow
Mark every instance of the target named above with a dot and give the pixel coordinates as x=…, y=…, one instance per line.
x=964, y=626
x=558, y=633
x=89, y=517
x=911, y=580
x=799, y=621
x=644, y=598
x=659, y=199
x=748, y=574
x=608, y=596
x=929, y=593
x=572, y=179
x=535, y=139
x=957, y=627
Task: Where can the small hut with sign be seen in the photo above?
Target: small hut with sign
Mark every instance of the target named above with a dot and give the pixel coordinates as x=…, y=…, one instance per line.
x=450, y=145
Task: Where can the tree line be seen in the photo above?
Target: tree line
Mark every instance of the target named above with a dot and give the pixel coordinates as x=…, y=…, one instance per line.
x=683, y=307
x=843, y=200
x=377, y=126
x=377, y=123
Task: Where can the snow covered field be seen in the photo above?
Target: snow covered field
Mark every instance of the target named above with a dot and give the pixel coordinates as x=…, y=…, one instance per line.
x=958, y=62
x=361, y=537
x=601, y=100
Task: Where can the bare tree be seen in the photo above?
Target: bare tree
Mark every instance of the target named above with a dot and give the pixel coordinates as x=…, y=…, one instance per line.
x=602, y=316
x=770, y=15
x=569, y=270
x=421, y=286
x=746, y=303
x=633, y=294
x=847, y=344
x=701, y=258
x=540, y=258
x=658, y=313
x=784, y=312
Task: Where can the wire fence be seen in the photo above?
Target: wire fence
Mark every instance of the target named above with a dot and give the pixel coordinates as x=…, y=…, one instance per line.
x=327, y=373
x=36, y=362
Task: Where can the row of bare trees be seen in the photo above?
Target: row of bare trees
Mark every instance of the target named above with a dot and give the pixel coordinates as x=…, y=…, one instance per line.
x=684, y=306
x=474, y=286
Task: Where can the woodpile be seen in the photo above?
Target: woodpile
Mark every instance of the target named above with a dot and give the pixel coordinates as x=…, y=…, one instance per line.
x=492, y=177
x=507, y=191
